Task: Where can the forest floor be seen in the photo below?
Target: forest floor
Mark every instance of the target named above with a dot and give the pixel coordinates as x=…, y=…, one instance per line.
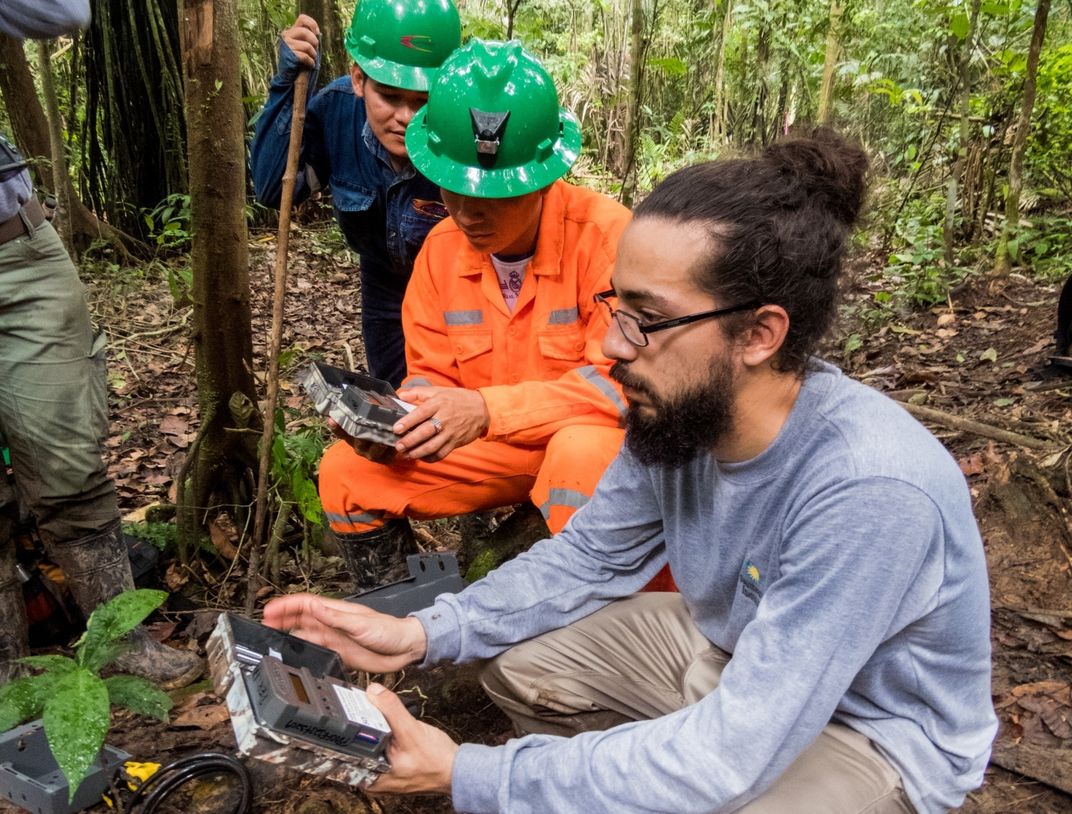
x=983, y=355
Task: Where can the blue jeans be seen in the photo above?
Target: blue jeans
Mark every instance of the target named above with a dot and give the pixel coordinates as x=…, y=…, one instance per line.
x=381, y=322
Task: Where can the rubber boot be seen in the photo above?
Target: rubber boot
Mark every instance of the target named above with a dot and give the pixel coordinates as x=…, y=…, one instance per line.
x=13, y=632
x=378, y=557
x=97, y=569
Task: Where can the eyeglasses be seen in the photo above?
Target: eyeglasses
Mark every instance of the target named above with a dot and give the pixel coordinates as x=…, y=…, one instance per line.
x=637, y=333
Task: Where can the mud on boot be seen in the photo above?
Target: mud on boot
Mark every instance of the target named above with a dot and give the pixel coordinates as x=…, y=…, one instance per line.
x=98, y=568
x=378, y=557
x=164, y=666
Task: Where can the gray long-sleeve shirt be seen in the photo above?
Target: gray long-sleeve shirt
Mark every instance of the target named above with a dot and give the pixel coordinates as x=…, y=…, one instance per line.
x=34, y=19
x=871, y=607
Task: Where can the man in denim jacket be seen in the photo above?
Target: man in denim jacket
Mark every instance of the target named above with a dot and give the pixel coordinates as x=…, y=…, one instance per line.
x=354, y=142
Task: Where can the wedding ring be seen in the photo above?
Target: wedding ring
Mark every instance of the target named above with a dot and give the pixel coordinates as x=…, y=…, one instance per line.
x=437, y=424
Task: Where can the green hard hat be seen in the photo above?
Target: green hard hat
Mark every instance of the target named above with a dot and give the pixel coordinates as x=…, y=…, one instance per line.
x=492, y=127
x=402, y=43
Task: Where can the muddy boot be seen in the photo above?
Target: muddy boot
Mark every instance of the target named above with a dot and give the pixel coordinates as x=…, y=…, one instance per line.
x=97, y=569
x=13, y=632
x=378, y=557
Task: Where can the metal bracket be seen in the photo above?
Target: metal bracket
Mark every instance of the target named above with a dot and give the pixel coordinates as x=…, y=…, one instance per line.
x=429, y=576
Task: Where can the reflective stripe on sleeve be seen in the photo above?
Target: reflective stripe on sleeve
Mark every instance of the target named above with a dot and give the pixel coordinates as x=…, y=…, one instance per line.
x=592, y=375
x=563, y=316
x=475, y=317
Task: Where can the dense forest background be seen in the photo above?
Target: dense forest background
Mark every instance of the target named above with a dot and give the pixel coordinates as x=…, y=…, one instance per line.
x=140, y=128
x=935, y=89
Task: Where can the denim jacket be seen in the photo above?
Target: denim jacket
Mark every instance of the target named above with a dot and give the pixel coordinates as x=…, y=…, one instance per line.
x=384, y=215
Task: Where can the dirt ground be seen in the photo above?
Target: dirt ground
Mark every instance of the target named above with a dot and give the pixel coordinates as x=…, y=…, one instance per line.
x=981, y=356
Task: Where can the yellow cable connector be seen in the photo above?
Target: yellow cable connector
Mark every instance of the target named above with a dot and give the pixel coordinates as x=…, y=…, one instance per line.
x=136, y=773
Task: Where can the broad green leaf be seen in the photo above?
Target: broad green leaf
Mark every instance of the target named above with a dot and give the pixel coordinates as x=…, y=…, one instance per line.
x=29, y=695
x=56, y=664
x=138, y=695
x=989, y=355
x=307, y=497
x=1004, y=402
x=76, y=721
x=103, y=654
x=959, y=25
x=19, y=702
x=672, y=66
x=854, y=342
x=114, y=619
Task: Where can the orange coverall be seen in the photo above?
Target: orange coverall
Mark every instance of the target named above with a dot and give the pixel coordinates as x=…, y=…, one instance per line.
x=555, y=414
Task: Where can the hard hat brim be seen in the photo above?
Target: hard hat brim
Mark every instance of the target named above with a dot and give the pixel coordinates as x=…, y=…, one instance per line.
x=397, y=75
x=478, y=182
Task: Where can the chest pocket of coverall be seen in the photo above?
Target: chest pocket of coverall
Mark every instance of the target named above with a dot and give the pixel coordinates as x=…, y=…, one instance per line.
x=562, y=347
x=360, y=218
x=472, y=350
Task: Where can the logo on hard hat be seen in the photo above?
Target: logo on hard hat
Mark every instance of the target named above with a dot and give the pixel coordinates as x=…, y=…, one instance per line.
x=418, y=42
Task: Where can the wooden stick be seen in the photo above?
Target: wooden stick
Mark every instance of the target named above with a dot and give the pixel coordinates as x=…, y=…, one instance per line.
x=290, y=176
x=977, y=427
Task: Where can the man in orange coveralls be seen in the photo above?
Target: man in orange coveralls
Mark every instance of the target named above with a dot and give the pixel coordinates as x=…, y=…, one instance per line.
x=512, y=393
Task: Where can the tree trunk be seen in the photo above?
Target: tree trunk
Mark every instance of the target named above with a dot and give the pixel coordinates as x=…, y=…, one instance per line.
x=511, y=15
x=219, y=257
x=60, y=175
x=719, y=124
x=632, y=121
x=28, y=122
x=1019, y=143
x=952, y=192
x=833, y=51
x=758, y=128
x=334, y=61
x=31, y=133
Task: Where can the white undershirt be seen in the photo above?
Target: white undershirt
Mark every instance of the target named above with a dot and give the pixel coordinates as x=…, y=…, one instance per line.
x=511, y=275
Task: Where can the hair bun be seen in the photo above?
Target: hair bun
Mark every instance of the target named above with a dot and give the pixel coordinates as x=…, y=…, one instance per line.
x=830, y=169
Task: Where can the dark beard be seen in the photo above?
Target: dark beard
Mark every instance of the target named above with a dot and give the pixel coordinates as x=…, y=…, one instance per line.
x=682, y=428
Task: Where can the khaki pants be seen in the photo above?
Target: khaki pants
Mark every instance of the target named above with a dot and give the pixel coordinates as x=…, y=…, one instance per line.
x=642, y=657
x=53, y=391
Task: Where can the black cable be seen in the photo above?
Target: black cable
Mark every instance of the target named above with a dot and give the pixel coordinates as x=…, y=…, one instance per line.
x=167, y=779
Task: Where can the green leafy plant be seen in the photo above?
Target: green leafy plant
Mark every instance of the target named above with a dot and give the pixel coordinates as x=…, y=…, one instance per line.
x=163, y=536
x=169, y=222
x=1045, y=245
x=294, y=459
x=73, y=699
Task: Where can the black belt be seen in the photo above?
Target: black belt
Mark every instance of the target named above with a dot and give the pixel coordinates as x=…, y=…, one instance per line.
x=14, y=227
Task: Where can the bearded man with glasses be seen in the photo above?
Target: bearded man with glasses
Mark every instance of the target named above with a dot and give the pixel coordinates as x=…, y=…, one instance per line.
x=829, y=649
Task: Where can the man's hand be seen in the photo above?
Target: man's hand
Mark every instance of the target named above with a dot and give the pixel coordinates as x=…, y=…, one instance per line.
x=422, y=757
x=445, y=418
x=303, y=38
x=365, y=639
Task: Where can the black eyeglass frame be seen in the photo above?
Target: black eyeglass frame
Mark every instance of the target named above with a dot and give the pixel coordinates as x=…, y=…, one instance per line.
x=601, y=297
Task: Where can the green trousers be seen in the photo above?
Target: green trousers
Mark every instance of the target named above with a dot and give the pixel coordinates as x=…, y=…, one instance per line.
x=53, y=392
